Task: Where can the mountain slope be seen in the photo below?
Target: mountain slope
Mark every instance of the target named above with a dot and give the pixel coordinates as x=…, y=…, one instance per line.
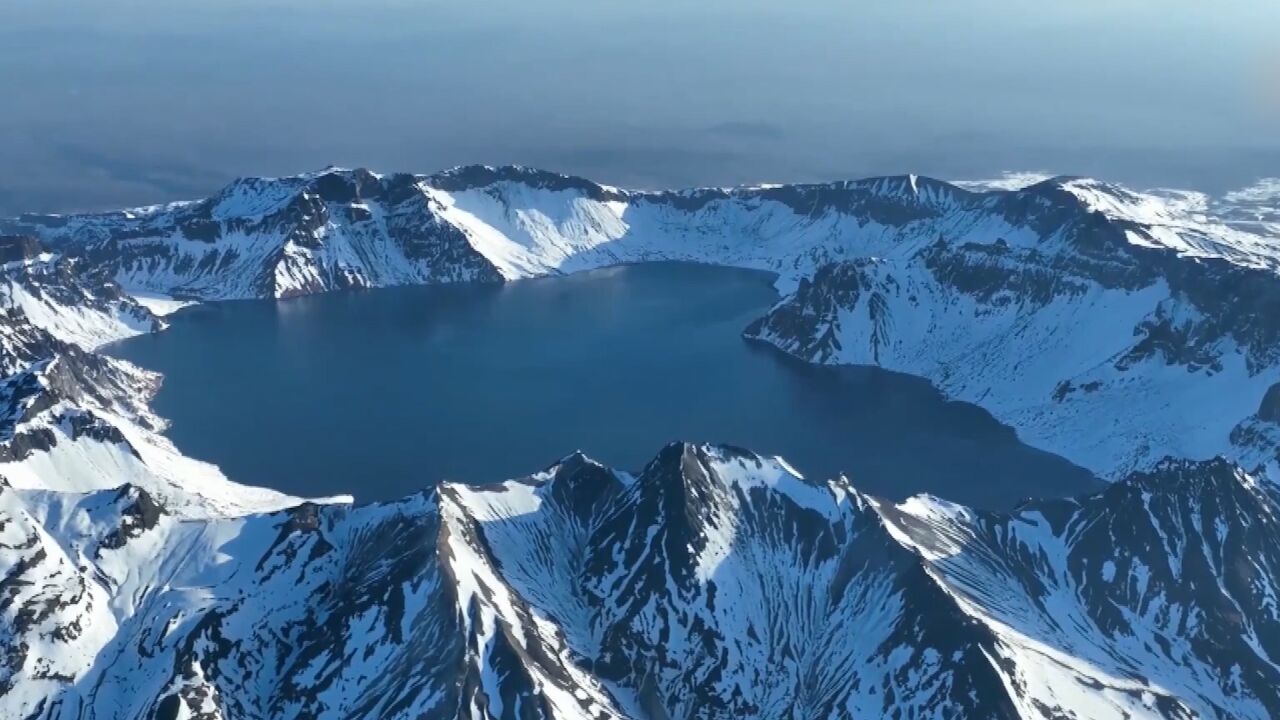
x=714, y=583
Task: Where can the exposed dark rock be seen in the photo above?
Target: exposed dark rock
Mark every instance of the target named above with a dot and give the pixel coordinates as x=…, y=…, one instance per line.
x=1269, y=410
x=14, y=248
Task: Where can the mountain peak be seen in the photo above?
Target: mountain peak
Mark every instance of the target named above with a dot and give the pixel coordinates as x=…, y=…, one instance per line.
x=1177, y=475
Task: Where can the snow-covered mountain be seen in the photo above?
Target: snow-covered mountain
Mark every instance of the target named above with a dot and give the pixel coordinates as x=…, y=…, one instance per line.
x=1108, y=326
x=713, y=584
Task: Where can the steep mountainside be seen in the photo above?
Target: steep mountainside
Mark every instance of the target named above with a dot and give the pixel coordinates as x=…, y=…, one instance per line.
x=715, y=583
x=1108, y=326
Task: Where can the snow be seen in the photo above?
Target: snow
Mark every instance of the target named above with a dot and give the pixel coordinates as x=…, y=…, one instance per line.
x=526, y=233
x=1264, y=190
x=77, y=322
x=772, y=473
x=149, y=460
x=159, y=303
x=1008, y=180
x=1052, y=629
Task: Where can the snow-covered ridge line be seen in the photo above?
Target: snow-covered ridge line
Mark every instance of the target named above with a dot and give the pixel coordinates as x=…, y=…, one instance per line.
x=715, y=583
x=573, y=210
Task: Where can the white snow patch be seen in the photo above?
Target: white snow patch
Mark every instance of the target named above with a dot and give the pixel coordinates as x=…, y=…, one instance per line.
x=159, y=303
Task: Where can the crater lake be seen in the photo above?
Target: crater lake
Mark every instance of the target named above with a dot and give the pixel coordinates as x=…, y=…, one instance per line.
x=382, y=393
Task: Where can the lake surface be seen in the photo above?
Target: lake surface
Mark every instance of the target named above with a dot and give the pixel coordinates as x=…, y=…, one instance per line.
x=384, y=392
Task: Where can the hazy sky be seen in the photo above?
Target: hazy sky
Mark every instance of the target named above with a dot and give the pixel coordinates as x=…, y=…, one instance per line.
x=145, y=100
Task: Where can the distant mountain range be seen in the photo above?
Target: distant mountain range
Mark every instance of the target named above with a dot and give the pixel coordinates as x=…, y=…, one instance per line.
x=1136, y=334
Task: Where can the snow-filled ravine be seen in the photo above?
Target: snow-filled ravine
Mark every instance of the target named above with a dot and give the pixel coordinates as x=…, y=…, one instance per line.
x=384, y=392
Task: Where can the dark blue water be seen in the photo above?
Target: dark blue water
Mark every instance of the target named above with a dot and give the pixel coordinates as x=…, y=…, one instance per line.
x=381, y=393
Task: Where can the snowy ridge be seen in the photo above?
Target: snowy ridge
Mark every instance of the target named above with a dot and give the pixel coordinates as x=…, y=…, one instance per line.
x=715, y=583
x=1124, y=587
